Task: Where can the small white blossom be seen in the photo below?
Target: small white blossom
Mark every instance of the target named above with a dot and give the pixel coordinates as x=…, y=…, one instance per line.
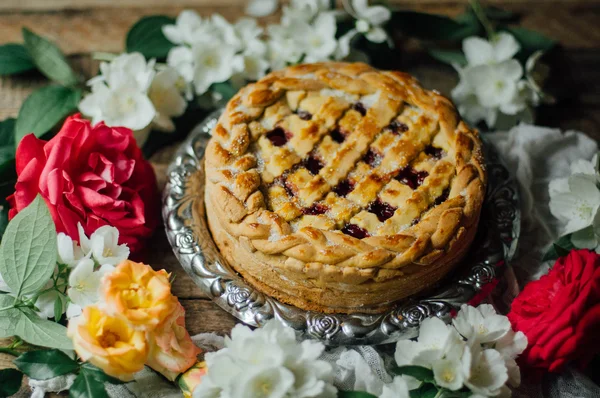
x=478, y=51
x=481, y=324
x=261, y=8
x=318, y=39
x=448, y=373
x=370, y=20
x=69, y=252
x=166, y=97
x=104, y=245
x=189, y=27
x=267, y=362
x=305, y=10
x=46, y=301
x=485, y=371
x=214, y=64
x=84, y=285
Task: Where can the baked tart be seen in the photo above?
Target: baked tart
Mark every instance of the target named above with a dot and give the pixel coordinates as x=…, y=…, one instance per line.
x=339, y=188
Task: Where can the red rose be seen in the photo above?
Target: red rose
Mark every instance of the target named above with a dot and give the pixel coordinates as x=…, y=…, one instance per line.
x=560, y=313
x=90, y=175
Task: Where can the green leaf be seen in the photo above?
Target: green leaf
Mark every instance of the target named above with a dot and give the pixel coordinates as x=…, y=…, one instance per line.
x=14, y=58
x=45, y=364
x=10, y=382
x=449, y=57
x=433, y=27
x=49, y=59
x=86, y=386
x=7, y=132
x=560, y=248
x=425, y=391
x=99, y=375
x=44, y=108
x=28, y=251
x=44, y=333
x=530, y=41
x=146, y=37
x=355, y=394
x=9, y=316
x=418, y=372
x=58, y=308
x=225, y=89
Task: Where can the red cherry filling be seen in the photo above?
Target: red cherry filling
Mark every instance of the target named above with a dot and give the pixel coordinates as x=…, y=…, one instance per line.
x=315, y=209
x=304, y=115
x=434, y=152
x=382, y=210
x=360, y=108
x=278, y=136
x=415, y=221
x=372, y=158
x=397, y=127
x=343, y=188
x=338, y=136
x=313, y=164
x=411, y=177
x=442, y=198
x=355, y=231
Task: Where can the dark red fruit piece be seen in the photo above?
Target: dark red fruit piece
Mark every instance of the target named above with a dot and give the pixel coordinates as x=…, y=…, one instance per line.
x=360, y=108
x=355, y=231
x=415, y=221
x=382, y=210
x=313, y=164
x=304, y=115
x=372, y=158
x=338, y=136
x=315, y=209
x=411, y=177
x=437, y=153
x=277, y=136
x=344, y=188
x=397, y=127
x=442, y=198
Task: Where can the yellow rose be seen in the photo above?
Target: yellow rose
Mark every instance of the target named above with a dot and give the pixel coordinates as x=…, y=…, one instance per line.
x=109, y=343
x=172, y=350
x=139, y=294
x=192, y=378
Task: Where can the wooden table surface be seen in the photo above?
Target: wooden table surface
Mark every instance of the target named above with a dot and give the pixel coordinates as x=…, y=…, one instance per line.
x=84, y=26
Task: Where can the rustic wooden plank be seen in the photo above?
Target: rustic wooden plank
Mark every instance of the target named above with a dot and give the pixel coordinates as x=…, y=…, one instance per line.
x=573, y=24
x=54, y=5
x=204, y=316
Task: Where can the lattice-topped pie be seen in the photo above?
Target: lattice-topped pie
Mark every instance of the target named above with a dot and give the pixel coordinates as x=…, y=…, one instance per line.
x=340, y=188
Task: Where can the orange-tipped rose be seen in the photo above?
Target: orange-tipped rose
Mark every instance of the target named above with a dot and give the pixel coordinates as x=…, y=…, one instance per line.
x=172, y=350
x=109, y=343
x=192, y=378
x=139, y=294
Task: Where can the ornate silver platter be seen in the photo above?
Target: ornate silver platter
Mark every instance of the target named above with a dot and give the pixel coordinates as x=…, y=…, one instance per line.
x=494, y=246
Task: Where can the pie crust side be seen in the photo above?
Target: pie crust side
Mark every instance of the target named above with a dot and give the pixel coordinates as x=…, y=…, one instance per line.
x=313, y=265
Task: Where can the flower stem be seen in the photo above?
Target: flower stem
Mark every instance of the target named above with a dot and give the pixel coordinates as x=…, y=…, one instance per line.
x=480, y=13
x=439, y=393
x=6, y=350
x=102, y=56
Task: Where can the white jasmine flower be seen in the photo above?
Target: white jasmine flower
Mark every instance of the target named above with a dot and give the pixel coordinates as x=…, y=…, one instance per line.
x=267, y=362
x=182, y=60
x=119, y=94
x=396, y=389
x=436, y=340
x=222, y=32
x=84, y=283
x=46, y=301
x=166, y=97
x=495, y=84
x=479, y=51
x=370, y=20
x=189, y=27
x=69, y=252
x=104, y=245
x=319, y=38
x=123, y=106
x=485, y=371
x=248, y=32
x=481, y=324
x=304, y=10
x=261, y=8
x=214, y=63
x=282, y=46
x=448, y=373
x=575, y=201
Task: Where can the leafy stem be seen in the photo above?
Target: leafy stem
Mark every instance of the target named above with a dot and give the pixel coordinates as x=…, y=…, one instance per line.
x=9, y=351
x=480, y=13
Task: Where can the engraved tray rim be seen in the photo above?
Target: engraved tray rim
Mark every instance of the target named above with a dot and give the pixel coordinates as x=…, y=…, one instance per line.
x=202, y=261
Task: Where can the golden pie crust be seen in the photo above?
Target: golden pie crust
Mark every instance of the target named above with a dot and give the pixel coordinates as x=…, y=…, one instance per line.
x=340, y=188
